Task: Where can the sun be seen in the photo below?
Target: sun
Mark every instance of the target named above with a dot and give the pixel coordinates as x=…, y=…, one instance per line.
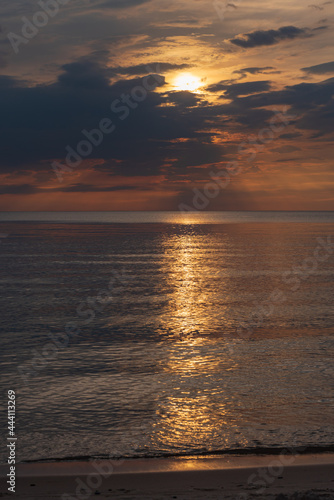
x=187, y=81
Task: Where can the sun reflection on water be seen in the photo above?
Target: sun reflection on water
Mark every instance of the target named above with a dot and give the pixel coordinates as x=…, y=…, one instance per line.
x=196, y=409
x=191, y=282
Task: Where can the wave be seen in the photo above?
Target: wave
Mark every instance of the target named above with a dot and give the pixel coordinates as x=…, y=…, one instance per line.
x=296, y=450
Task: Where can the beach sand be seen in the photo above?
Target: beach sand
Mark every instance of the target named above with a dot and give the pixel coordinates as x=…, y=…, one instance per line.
x=272, y=477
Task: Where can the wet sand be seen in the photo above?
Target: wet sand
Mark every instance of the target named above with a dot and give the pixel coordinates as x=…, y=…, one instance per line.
x=303, y=477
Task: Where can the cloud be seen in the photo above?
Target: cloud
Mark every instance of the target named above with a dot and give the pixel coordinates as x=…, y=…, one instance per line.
x=143, y=69
x=122, y=4
x=267, y=70
x=8, y=82
x=43, y=120
x=291, y=135
x=286, y=149
x=320, y=69
x=312, y=104
x=269, y=37
x=231, y=5
x=88, y=188
x=236, y=89
x=319, y=6
x=25, y=189
x=168, y=133
x=302, y=97
x=84, y=74
x=183, y=98
x=18, y=189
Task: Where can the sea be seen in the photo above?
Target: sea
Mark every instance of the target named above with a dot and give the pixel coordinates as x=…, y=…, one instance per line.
x=155, y=334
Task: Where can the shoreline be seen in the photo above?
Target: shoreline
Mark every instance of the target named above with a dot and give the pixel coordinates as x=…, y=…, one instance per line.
x=237, y=452
x=169, y=464
x=227, y=477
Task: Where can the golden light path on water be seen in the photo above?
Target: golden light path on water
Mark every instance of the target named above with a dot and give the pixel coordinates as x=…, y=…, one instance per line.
x=195, y=410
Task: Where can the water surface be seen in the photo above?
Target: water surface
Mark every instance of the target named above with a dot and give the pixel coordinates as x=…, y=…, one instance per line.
x=160, y=366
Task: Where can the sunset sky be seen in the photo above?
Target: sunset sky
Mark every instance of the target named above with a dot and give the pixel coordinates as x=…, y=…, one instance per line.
x=181, y=89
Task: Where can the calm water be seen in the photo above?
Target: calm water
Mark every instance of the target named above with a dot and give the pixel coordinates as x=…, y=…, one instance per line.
x=162, y=362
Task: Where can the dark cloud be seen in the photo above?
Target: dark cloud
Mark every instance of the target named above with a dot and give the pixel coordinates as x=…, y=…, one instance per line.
x=88, y=188
x=269, y=37
x=85, y=75
x=9, y=82
x=18, y=189
x=122, y=4
x=285, y=149
x=267, y=70
x=143, y=69
x=292, y=135
x=75, y=188
x=320, y=6
x=195, y=154
x=312, y=104
x=301, y=97
x=287, y=160
x=320, y=28
x=42, y=121
x=254, y=70
x=165, y=134
x=183, y=98
x=4, y=57
x=236, y=89
x=320, y=69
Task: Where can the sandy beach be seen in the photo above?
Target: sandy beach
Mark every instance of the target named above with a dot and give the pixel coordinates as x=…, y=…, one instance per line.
x=279, y=477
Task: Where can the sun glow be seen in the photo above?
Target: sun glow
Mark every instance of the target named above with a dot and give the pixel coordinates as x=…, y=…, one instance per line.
x=187, y=81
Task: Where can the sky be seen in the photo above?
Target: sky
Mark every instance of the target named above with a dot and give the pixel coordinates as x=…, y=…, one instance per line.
x=166, y=105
